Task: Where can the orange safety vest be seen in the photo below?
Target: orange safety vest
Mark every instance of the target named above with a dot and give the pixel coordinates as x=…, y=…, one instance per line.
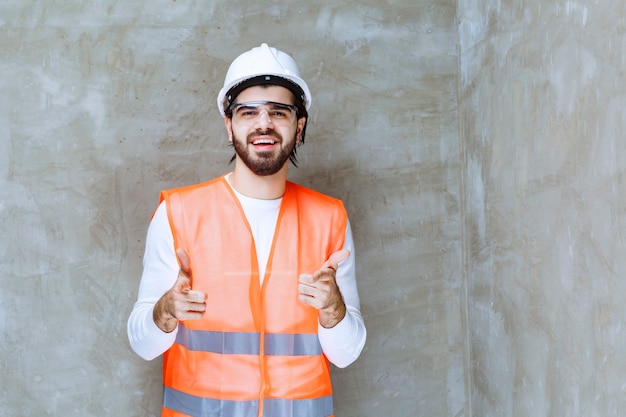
x=256, y=352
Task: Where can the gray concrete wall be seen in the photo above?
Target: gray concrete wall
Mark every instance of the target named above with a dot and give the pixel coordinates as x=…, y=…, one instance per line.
x=542, y=99
x=106, y=103
x=489, y=231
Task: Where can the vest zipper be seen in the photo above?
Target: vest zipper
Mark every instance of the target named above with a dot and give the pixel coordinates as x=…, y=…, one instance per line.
x=262, y=352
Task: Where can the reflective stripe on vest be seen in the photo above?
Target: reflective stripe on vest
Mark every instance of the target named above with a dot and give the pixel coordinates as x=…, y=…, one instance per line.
x=273, y=407
x=240, y=343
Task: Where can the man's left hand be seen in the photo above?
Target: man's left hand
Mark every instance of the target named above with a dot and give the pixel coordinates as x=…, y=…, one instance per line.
x=320, y=291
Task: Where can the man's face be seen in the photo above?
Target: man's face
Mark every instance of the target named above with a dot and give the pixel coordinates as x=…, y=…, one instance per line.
x=264, y=142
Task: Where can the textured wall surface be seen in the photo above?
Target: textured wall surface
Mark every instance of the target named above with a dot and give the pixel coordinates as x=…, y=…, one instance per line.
x=106, y=103
x=543, y=94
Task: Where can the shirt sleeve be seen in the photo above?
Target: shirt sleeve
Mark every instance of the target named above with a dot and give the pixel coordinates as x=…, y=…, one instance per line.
x=343, y=343
x=160, y=270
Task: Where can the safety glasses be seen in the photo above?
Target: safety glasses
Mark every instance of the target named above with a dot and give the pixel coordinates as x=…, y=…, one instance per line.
x=250, y=111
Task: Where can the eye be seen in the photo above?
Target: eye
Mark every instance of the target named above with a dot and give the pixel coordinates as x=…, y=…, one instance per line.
x=248, y=112
x=281, y=114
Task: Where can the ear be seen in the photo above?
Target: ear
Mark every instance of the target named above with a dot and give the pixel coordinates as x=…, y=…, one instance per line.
x=228, y=122
x=301, y=123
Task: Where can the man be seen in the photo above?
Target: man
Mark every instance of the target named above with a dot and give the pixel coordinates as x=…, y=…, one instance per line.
x=248, y=288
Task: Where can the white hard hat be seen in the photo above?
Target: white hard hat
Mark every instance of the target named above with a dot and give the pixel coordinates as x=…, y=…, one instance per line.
x=263, y=65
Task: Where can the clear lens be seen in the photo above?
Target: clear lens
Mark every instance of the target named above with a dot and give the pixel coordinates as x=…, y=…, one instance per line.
x=250, y=111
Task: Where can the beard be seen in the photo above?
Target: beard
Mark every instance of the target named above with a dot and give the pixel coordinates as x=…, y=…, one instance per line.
x=263, y=163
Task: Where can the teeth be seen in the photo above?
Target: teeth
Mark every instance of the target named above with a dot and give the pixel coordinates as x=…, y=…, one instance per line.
x=263, y=142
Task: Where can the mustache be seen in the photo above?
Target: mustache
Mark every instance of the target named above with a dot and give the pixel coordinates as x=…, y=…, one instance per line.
x=265, y=132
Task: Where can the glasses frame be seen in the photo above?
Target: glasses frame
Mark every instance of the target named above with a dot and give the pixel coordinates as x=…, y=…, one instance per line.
x=233, y=108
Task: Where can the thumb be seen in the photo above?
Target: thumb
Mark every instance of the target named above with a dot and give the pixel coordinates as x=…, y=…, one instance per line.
x=183, y=282
x=183, y=259
x=335, y=258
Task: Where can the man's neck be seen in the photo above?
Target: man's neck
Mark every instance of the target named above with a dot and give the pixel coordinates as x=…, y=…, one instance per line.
x=269, y=187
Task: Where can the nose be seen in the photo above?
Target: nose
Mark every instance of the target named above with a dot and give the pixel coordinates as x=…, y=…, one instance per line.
x=264, y=119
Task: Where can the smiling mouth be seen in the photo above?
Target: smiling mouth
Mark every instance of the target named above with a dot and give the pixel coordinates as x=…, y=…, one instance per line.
x=264, y=138
x=264, y=142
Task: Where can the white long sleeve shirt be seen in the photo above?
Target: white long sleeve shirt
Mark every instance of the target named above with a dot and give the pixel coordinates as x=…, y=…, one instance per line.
x=341, y=344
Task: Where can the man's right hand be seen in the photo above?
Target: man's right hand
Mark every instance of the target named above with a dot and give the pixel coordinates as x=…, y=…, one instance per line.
x=180, y=302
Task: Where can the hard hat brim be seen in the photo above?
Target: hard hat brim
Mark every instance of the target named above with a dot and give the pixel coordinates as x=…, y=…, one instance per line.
x=228, y=96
